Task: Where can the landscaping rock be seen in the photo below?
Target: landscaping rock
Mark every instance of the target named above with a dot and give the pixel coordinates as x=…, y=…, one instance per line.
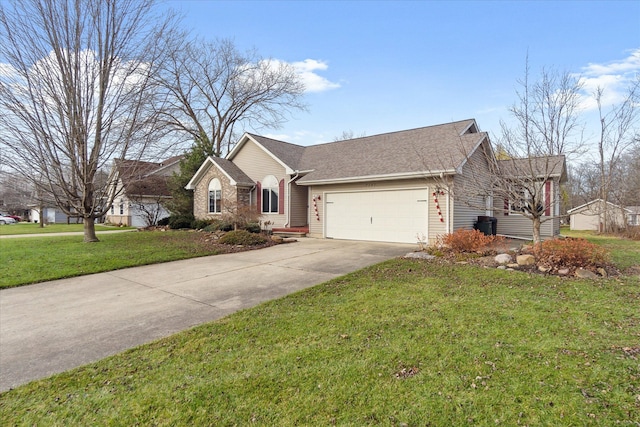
x=512, y=265
x=276, y=239
x=544, y=269
x=563, y=271
x=502, y=267
x=601, y=271
x=289, y=240
x=503, y=258
x=419, y=255
x=585, y=274
x=526, y=260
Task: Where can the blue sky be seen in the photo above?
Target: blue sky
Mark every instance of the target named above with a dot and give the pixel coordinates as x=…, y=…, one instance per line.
x=374, y=66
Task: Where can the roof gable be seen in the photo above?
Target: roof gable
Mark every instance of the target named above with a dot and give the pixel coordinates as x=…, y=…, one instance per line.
x=286, y=154
x=595, y=201
x=236, y=176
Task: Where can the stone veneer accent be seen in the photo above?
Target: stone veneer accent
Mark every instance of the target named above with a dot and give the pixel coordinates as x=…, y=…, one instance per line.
x=231, y=196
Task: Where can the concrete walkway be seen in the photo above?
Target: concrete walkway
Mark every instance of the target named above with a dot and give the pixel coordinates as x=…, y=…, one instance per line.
x=51, y=327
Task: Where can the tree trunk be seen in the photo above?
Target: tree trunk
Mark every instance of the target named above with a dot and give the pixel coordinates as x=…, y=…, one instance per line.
x=89, y=230
x=537, y=240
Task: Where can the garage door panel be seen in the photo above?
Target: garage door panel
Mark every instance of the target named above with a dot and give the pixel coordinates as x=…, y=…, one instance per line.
x=389, y=216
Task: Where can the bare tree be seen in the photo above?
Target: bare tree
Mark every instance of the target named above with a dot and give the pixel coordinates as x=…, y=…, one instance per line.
x=546, y=130
x=349, y=134
x=76, y=92
x=618, y=134
x=216, y=90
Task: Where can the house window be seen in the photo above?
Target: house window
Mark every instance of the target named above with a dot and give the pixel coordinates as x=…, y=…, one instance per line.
x=270, y=194
x=521, y=200
x=112, y=210
x=215, y=196
x=121, y=208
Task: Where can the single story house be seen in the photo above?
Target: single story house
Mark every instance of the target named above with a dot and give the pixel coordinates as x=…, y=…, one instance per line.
x=394, y=187
x=141, y=190
x=633, y=216
x=592, y=215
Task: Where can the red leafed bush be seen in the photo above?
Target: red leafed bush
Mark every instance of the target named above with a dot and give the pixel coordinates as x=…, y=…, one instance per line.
x=571, y=252
x=468, y=241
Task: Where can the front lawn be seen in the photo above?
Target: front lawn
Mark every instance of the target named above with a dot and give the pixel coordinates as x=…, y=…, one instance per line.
x=38, y=259
x=33, y=228
x=400, y=343
x=625, y=253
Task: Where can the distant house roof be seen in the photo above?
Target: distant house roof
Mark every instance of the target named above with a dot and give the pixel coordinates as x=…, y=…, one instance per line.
x=635, y=210
x=142, y=178
x=593, y=202
x=236, y=176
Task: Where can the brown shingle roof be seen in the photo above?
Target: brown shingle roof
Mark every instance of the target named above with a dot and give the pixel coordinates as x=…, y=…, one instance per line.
x=233, y=171
x=542, y=167
x=139, y=177
x=427, y=150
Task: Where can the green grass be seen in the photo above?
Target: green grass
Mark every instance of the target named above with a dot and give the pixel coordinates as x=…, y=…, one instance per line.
x=32, y=228
x=37, y=259
x=625, y=253
x=400, y=343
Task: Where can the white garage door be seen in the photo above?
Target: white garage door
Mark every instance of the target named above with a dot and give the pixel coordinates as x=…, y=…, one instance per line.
x=384, y=216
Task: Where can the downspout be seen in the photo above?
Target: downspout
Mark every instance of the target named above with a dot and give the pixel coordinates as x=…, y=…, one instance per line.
x=288, y=219
x=448, y=225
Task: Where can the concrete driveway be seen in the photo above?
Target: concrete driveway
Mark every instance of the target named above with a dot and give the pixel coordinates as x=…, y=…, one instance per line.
x=51, y=327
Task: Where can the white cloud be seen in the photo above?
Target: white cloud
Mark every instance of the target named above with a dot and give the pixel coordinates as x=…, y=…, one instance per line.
x=7, y=70
x=313, y=82
x=613, y=77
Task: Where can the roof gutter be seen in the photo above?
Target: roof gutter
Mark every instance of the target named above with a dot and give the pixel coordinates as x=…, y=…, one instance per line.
x=389, y=177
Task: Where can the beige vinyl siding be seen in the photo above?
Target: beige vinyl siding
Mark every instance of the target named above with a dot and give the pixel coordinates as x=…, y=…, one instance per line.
x=257, y=164
x=467, y=187
x=521, y=226
x=299, y=201
x=434, y=226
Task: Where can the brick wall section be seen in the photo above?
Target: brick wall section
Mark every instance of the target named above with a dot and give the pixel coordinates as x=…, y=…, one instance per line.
x=229, y=195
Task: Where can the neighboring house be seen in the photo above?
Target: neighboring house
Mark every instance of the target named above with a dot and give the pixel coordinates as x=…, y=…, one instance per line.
x=591, y=216
x=388, y=187
x=141, y=191
x=51, y=215
x=550, y=173
x=633, y=215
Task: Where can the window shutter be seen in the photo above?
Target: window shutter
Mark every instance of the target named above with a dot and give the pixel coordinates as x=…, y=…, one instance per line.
x=259, y=197
x=547, y=198
x=506, y=206
x=281, y=196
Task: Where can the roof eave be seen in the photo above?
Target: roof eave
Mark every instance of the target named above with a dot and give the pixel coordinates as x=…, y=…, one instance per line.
x=386, y=177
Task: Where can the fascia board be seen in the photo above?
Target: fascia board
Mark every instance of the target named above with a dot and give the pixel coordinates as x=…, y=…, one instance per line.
x=370, y=178
x=191, y=185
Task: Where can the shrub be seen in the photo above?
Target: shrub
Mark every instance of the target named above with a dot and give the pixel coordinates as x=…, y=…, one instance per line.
x=219, y=225
x=200, y=224
x=253, y=227
x=467, y=241
x=163, y=221
x=572, y=252
x=181, y=221
x=243, y=237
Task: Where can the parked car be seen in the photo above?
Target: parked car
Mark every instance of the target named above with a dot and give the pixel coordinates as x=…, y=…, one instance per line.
x=4, y=219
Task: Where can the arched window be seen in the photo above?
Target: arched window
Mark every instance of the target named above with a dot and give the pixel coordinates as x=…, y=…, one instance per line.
x=215, y=196
x=270, y=194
